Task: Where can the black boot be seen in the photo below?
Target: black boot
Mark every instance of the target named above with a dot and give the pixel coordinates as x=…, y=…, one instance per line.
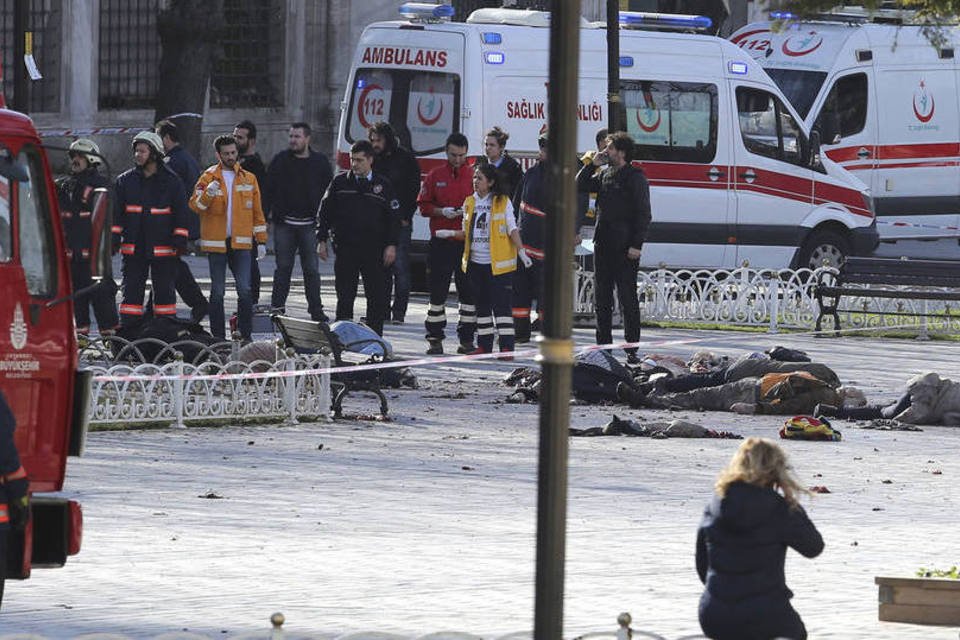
x=826, y=410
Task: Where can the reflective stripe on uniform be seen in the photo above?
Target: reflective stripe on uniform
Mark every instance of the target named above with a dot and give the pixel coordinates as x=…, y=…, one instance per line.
x=132, y=309
x=134, y=208
x=213, y=244
x=164, y=251
x=505, y=263
x=529, y=208
x=165, y=309
x=84, y=214
x=157, y=211
x=533, y=252
x=180, y=231
x=199, y=204
x=243, y=239
x=4, y=515
x=116, y=228
x=16, y=475
x=260, y=228
x=128, y=249
x=521, y=312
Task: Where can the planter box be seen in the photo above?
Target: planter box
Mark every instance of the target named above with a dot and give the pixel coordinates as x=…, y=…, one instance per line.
x=919, y=600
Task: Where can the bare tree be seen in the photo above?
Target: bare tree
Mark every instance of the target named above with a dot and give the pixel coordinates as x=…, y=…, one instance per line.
x=189, y=36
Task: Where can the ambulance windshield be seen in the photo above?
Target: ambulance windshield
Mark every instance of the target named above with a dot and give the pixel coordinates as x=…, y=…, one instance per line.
x=421, y=106
x=800, y=87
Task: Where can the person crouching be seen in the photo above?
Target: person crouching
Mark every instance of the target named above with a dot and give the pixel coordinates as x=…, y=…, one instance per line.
x=491, y=248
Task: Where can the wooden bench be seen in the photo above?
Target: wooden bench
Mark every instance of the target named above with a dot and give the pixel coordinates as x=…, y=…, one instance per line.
x=886, y=278
x=312, y=337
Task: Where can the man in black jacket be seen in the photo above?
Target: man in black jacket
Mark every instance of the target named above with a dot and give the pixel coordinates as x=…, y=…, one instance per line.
x=296, y=181
x=399, y=167
x=623, y=216
x=79, y=194
x=361, y=211
x=245, y=133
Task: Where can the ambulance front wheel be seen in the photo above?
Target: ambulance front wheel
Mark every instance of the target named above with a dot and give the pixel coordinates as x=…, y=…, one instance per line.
x=824, y=247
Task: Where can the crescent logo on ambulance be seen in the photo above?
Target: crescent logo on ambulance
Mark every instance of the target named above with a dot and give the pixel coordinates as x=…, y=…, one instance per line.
x=431, y=106
x=400, y=56
x=648, y=116
x=802, y=44
x=923, y=103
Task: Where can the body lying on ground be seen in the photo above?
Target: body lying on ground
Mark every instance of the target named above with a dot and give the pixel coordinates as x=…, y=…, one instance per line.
x=929, y=400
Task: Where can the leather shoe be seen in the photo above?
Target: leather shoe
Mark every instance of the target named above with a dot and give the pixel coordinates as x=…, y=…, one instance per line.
x=435, y=348
x=465, y=348
x=633, y=358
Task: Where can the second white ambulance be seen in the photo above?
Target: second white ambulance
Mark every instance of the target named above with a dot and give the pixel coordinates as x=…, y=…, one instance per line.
x=732, y=173
x=885, y=100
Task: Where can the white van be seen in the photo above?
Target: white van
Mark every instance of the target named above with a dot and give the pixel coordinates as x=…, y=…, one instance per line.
x=727, y=157
x=885, y=101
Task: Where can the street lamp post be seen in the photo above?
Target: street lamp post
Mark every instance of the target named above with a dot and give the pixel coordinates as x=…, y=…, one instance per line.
x=616, y=115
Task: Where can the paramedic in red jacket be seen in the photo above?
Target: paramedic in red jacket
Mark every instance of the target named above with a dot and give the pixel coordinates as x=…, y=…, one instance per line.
x=441, y=199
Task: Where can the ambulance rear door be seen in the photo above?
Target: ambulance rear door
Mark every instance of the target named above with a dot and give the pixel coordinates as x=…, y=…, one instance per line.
x=916, y=187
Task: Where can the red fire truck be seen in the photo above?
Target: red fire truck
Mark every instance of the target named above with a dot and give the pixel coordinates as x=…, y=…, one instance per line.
x=39, y=372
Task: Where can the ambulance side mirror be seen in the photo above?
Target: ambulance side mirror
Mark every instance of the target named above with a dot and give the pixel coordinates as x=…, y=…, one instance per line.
x=101, y=264
x=813, y=149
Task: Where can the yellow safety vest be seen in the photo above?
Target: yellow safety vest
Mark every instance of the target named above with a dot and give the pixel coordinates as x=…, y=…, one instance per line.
x=503, y=255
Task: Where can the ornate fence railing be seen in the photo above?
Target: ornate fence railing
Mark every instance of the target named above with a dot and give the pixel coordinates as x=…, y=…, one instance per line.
x=215, y=386
x=763, y=297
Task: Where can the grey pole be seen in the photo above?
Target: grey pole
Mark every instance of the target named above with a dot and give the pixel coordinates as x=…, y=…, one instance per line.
x=556, y=344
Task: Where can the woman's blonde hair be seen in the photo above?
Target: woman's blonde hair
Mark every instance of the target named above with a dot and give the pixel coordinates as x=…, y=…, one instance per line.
x=761, y=462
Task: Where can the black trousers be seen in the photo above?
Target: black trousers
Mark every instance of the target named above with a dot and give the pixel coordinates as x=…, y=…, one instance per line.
x=162, y=273
x=103, y=299
x=493, y=295
x=186, y=285
x=444, y=259
x=254, y=274
x=527, y=287
x=613, y=269
x=352, y=263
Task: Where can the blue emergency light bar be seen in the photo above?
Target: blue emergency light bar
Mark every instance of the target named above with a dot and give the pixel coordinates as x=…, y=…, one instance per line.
x=626, y=61
x=425, y=11
x=782, y=15
x=737, y=67
x=492, y=37
x=664, y=20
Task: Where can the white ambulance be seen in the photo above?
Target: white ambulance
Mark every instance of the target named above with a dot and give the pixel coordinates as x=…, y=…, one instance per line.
x=885, y=101
x=729, y=161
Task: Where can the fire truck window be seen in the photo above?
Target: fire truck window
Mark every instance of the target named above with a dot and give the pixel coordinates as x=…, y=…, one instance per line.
x=37, y=245
x=844, y=112
x=6, y=229
x=672, y=121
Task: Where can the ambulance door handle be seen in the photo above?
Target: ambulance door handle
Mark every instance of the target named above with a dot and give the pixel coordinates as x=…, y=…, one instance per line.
x=715, y=174
x=749, y=175
x=863, y=153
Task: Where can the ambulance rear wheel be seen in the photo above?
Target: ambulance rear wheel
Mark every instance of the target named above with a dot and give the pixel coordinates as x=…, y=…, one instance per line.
x=823, y=248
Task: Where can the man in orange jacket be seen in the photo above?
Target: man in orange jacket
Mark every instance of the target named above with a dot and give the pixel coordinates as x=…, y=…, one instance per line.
x=227, y=199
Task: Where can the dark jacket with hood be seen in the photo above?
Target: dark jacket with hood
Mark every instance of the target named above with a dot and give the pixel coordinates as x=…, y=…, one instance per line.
x=741, y=548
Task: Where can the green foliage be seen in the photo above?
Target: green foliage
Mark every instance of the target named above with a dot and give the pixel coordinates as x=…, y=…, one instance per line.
x=953, y=573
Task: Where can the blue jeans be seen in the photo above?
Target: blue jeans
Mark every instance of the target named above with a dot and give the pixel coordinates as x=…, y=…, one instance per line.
x=239, y=261
x=398, y=275
x=289, y=240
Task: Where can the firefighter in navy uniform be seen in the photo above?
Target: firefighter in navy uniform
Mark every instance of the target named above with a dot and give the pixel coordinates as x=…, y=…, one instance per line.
x=15, y=498
x=78, y=195
x=362, y=211
x=150, y=228
x=531, y=202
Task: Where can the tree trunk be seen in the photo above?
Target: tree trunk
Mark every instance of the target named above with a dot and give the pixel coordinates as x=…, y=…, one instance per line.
x=189, y=36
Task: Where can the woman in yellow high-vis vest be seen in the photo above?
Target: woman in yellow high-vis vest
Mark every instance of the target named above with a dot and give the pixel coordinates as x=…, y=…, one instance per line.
x=491, y=249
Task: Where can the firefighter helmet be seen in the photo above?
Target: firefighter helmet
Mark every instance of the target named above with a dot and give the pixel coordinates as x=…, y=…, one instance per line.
x=88, y=148
x=151, y=139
